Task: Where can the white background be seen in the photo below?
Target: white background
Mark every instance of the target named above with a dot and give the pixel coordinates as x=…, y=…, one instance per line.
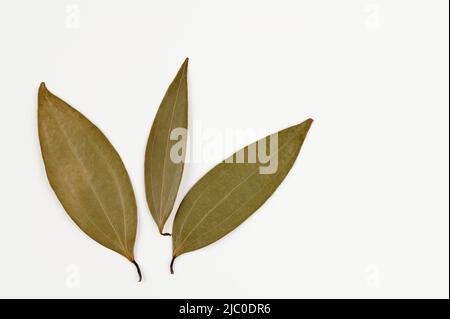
x=364, y=211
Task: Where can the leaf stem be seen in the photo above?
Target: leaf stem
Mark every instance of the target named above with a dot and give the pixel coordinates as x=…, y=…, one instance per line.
x=161, y=231
x=171, y=264
x=138, y=269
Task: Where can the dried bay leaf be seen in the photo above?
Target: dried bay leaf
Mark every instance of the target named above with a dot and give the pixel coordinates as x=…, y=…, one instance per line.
x=164, y=167
x=87, y=175
x=230, y=192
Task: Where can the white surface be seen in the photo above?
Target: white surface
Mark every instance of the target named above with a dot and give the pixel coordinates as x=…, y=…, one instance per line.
x=364, y=211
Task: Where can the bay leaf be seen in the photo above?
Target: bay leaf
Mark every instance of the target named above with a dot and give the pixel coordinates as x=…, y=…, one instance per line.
x=87, y=175
x=234, y=189
x=164, y=167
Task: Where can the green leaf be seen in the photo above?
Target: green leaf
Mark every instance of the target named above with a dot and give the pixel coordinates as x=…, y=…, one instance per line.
x=230, y=192
x=87, y=175
x=166, y=150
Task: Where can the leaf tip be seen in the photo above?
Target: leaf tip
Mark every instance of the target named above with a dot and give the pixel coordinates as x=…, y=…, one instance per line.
x=185, y=64
x=305, y=126
x=308, y=123
x=42, y=89
x=42, y=94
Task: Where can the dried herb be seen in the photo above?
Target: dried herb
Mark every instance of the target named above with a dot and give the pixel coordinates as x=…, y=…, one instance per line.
x=234, y=189
x=166, y=146
x=87, y=175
